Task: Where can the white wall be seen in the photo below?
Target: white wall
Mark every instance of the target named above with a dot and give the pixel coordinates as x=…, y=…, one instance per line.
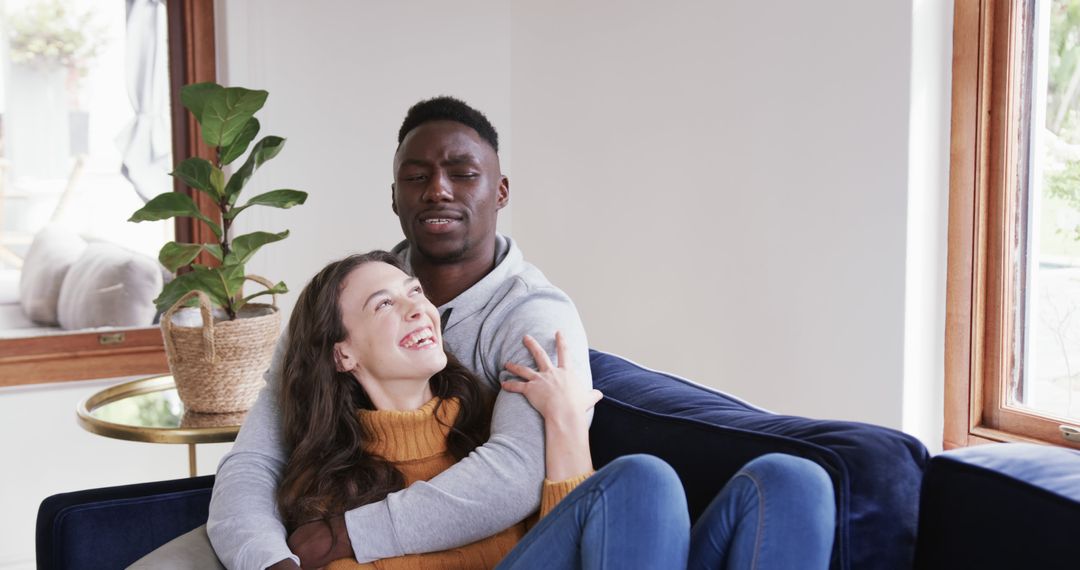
x=723, y=188
x=927, y=223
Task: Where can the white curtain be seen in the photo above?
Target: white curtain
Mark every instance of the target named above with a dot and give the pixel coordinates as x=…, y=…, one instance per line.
x=146, y=142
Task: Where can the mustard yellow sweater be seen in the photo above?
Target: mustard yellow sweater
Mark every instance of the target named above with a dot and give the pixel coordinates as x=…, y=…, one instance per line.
x=415, y=442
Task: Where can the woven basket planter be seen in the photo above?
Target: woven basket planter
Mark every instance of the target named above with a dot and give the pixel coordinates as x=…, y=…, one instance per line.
x=218, y=367
x=200, y=420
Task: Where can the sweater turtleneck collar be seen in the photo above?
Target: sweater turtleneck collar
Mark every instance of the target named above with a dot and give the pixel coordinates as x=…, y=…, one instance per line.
x=410, y=435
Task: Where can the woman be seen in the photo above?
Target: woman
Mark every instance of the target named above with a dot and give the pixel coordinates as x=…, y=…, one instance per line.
x=372, y=403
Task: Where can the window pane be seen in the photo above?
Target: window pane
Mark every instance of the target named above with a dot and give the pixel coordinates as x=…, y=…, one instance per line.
x=1048, y=379
x=84, y=125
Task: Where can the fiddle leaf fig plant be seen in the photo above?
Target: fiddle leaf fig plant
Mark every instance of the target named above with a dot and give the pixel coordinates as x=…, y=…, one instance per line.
x=226, y=118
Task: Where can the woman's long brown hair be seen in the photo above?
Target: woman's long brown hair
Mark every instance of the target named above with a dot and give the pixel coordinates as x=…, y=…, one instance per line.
x=328, y=472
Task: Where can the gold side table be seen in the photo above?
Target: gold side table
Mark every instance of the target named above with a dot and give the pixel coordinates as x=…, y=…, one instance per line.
x=149, y=410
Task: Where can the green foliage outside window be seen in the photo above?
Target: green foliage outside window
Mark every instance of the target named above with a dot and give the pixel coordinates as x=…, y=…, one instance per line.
x=1061, y=181
x=49, y=34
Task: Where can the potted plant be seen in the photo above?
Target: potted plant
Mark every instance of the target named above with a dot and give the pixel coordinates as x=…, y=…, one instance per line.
x=218, y=355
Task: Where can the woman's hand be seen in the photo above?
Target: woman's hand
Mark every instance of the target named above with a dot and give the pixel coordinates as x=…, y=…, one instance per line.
x=564, y=402
x=320, y=542
x=554, y=391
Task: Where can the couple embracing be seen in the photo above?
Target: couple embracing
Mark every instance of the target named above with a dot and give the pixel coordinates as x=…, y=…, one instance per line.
x=429, y=408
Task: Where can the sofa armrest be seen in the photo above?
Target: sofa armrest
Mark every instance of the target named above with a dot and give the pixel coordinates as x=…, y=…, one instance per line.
x=112, y=527
x=707, y=436
x=1009, y=505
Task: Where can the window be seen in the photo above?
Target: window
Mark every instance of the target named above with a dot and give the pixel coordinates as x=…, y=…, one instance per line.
x=85, y=134
x=1013, y=322
x=51, y=358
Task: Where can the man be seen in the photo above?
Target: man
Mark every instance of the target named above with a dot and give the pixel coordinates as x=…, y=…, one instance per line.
x=448, y=188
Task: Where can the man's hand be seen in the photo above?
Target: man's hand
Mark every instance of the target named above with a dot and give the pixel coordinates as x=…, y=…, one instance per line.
x=319, y=543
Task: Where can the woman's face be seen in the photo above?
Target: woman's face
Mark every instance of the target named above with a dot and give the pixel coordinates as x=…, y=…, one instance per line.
x=393, y=330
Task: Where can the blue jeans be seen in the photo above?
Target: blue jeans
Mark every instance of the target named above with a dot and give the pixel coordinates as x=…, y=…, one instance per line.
x=776, y=512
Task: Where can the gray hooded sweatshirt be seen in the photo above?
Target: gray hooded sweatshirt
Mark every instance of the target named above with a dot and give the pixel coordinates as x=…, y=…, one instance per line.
x=494, y=487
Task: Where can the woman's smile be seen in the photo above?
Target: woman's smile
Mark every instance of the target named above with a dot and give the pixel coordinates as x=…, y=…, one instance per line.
x=420, y=339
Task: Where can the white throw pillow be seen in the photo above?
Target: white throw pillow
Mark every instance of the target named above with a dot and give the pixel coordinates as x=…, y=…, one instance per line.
x=109, y=286
x=191, y=550
x=51, y=254
x=9, y=287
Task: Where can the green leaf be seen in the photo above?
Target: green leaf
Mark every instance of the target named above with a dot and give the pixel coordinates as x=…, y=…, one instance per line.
x=264, y=150
x=238, y=146
x=173, y=290
x=196, y=172
x=202, y=279
x=195, y=96
x=245, y=246
x=221, y=284
x=176, y=255
x=225, y=115
x=217, y=182
x=167, y=205
x=275, y=199
x=231, y=277
x=170, y=205
x=279, y=199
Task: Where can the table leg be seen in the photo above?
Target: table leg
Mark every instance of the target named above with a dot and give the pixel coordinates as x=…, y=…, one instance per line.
x=192, y=464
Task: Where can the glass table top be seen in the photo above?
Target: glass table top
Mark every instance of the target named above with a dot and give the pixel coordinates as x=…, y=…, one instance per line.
x=150, y=410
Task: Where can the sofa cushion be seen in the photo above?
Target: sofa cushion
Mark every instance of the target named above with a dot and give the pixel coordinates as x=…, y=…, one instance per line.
x=189, y=551
x=51, y=255
x=9, y=286
x=707, y=436
x=1009, y=505
x=109, y=286
x=13, y=319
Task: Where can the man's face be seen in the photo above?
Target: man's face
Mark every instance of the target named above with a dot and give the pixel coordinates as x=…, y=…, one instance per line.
x=448, y=189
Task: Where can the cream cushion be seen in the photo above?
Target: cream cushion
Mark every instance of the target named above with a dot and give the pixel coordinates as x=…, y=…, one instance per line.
x=109, y=286
x=9, y=286
x=51, y=255
x=190, y=551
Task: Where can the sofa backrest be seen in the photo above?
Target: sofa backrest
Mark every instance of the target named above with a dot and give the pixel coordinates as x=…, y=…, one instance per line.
x=113, y=527
x=707, y=436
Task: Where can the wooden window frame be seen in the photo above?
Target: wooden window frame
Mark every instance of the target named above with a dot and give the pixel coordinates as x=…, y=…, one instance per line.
x=986, y=163
x=81, y=356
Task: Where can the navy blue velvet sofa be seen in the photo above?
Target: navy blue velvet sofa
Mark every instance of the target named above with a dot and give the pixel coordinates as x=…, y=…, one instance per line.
x=704, y=434
x=1013, y=505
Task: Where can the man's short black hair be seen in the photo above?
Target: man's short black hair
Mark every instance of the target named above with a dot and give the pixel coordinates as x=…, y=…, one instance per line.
x=445, y=108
